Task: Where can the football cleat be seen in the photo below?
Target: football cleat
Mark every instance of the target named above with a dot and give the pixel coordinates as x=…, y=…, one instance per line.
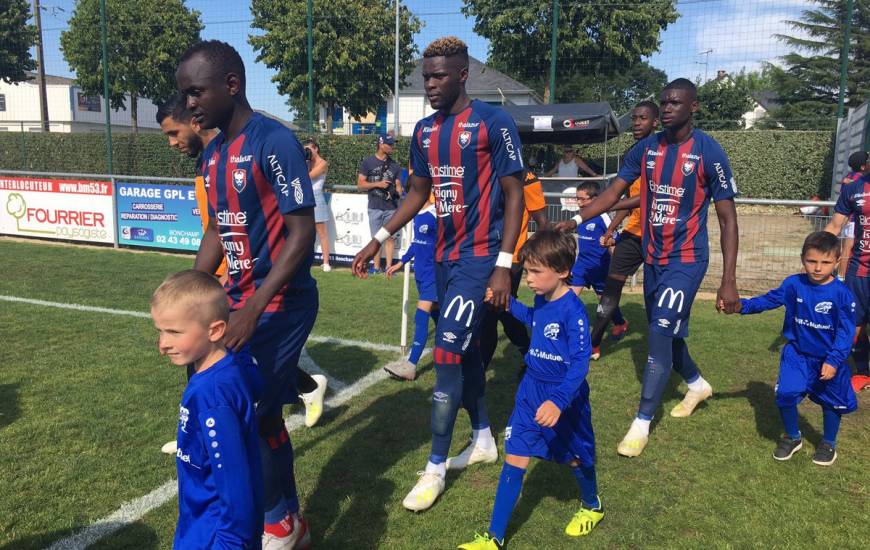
x=313, y=400
x=425, y=492
x=482, y=542
x=402, y=370
x=692, y=399
x=633, y=443
x=618, y=332
x=585, y=520
x=472, y=455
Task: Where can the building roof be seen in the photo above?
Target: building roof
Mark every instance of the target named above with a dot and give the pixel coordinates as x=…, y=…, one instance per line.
x=50, y=79
x=767, y=99
x=481, y=80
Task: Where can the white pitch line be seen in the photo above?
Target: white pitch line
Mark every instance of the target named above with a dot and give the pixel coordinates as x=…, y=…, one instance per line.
x=307, y=364
x=134, y=510
x=94, y=309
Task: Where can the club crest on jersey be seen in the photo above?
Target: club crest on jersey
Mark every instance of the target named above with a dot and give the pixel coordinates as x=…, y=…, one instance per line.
x=688, y=167
x=464, y=139
x=240, y=180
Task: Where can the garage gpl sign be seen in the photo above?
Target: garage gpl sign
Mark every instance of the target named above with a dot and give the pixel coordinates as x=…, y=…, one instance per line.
x=75, y=210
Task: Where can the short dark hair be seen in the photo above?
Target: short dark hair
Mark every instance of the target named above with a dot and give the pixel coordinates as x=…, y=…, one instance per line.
x=822, y=241
x=220, y=55
x=176, y=108
x=591, y=187
x=683, y=84
x=447, y=46
x=651, y=105
x=858, y=159
x=554, y=249
x=312, y=142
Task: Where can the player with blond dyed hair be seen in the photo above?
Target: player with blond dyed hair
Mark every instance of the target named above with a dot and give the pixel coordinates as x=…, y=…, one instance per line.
x=468, y=153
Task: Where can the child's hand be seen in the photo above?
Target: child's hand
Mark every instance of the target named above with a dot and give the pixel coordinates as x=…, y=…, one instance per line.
x=393, y=268
x=488, y=296
x=828, y=372
x=607, y=240
x=548, y=414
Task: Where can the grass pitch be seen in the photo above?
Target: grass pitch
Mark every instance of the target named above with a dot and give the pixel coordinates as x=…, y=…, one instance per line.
x=85, y=403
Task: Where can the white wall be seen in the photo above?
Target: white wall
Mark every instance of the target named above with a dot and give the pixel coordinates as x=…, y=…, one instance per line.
x=22, y=104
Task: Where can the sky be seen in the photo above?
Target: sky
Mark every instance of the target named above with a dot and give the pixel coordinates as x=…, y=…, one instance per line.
x=738, y=34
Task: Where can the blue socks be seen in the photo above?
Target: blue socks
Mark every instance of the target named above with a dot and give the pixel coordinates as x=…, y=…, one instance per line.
x=588, y=483
x=509, y=486
x=790, y=421
x=656, y=374
x=446, y=399
x=832, y=426
x=421, y=335
x=276, y=458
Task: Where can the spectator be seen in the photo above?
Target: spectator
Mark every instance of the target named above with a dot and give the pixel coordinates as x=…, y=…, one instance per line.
x=379, y=176
x=317, y=169
x=570, y=165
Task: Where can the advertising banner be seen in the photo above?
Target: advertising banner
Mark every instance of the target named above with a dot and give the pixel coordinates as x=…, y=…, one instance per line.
x=348, y=228
x=160, y=216
x=75, y=210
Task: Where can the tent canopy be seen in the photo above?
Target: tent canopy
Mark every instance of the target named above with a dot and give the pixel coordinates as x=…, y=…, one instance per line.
x=572, y=123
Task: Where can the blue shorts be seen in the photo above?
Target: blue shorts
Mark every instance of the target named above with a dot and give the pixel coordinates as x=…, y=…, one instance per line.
x=668, y=293
x=276, y=345
x=572, y=436
x=860, y=287
x=593, y=276
x=799, y=377
x=426, y=289
x=461, y=287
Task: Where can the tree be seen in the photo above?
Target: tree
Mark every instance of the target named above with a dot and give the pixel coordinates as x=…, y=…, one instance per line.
x=594, y=38
x=808, y=85
x=623, y=89
x=145, y=40
x=16, y=38
x=353, y=51
x=723, y=101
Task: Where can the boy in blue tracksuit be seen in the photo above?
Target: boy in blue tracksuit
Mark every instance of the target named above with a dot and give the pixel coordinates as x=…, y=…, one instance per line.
x=552, y=417
x=593, y=260
x=220, y=483
x=422, y=251
x=819, y=327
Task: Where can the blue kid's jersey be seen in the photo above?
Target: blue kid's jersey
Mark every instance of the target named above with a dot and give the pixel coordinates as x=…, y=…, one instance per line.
x=465, y=154
x=560, y=348
x=251, y=183
x=818, y=318
x=853, y=202
x=422, y=248
x=677, y=182
x=590, y=253
x=220, y=483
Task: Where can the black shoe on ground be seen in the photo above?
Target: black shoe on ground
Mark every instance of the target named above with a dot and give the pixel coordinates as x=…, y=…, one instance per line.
x=787, y=447
x=825, y=455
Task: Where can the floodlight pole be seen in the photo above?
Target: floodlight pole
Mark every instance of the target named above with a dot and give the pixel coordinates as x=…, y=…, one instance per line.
x=396, y=79
x=103, y=39
x=844, y=59
x=311, y=126
x=554, y=40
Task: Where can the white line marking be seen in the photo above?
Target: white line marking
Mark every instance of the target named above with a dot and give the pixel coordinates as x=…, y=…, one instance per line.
x=79, y=307
x=132, y=511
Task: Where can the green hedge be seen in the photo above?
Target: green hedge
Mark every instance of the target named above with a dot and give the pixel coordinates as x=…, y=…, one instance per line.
x=767, y=163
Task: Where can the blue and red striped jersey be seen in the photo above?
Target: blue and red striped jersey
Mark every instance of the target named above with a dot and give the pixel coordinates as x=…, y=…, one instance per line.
x=854, y=202
x=465, y=154
x=677, y=182
x=251, y=183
